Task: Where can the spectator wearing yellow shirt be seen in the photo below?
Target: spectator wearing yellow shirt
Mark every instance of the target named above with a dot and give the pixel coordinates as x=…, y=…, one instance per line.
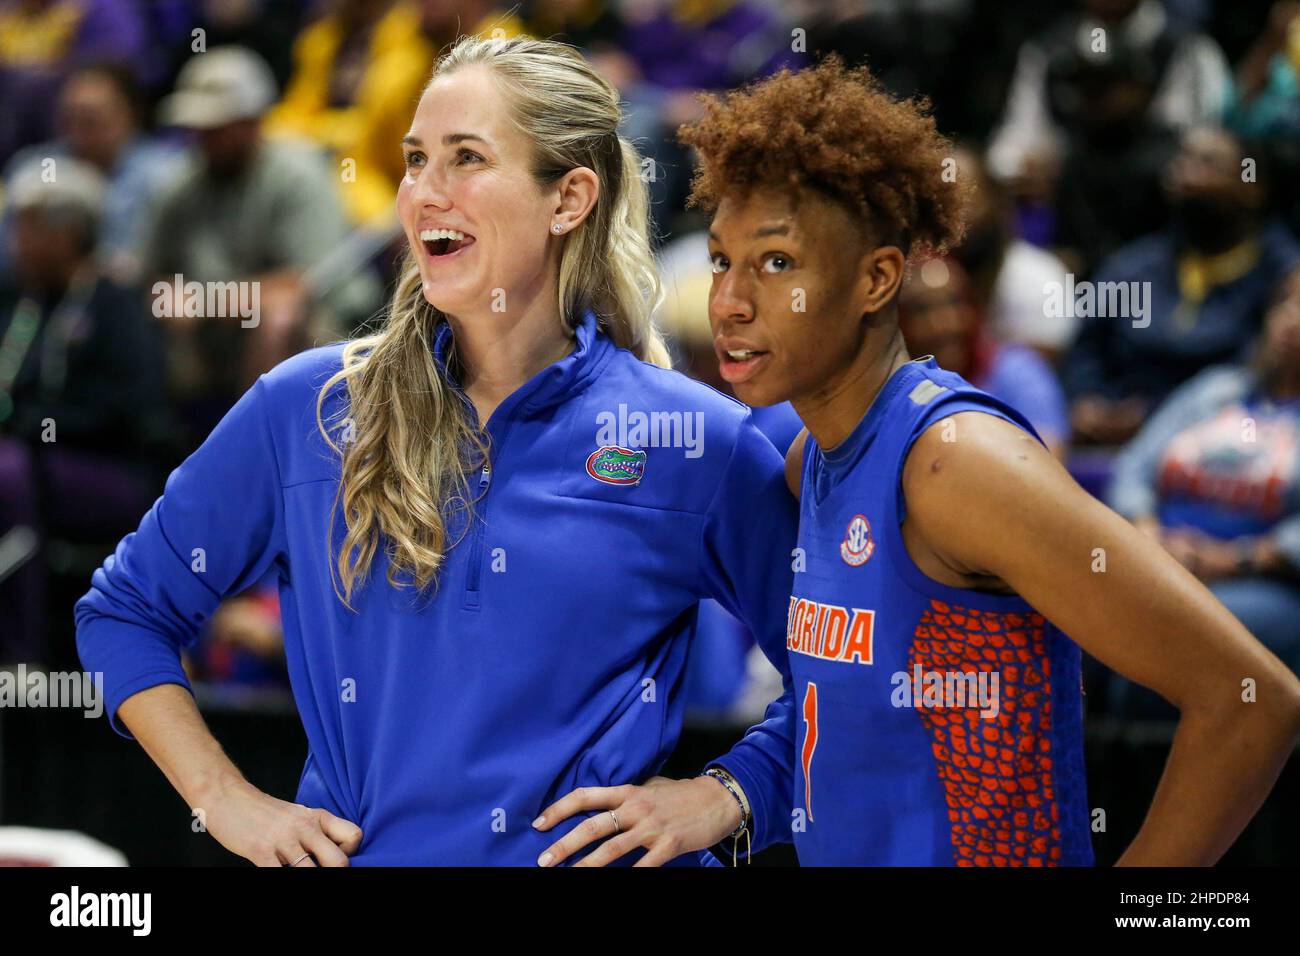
x=357, y=72
x=41, y=41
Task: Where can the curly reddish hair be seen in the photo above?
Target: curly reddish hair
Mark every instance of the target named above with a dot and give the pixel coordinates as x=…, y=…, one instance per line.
x=836, y=130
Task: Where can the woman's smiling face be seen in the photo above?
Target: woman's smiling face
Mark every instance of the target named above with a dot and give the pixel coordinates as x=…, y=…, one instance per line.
x=472, y=212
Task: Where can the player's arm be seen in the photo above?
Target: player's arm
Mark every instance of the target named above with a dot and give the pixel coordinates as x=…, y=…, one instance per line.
x=148, y=601
x=262, y=828
x=994, y=502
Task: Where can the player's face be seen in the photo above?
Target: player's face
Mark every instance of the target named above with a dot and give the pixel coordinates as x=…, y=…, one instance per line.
x=468, y=170
x=786, y=304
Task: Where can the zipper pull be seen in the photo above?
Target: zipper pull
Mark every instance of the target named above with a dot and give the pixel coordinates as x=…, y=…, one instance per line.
x=486, y=477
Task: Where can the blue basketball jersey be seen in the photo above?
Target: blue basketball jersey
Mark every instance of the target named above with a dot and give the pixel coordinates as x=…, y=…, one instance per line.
x=935, y=725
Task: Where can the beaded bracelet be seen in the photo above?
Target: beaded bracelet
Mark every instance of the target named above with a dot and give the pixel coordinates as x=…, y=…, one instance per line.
x=733, y=787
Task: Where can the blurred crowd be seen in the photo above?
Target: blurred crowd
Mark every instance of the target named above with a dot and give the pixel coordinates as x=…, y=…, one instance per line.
x=1130, y=279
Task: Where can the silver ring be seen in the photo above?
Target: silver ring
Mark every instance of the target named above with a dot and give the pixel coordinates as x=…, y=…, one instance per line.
x=617, y=828
x=300, y=859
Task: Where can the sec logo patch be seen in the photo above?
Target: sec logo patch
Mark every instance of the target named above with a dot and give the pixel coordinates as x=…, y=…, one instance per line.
x=858, y=545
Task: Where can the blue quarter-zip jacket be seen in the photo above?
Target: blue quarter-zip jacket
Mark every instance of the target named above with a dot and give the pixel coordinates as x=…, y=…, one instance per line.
x=552, y=653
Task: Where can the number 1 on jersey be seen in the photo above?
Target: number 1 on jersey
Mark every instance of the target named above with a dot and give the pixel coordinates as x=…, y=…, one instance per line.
x=809, y=743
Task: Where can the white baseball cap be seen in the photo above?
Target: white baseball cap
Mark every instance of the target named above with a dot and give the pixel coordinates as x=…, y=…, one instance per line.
x=57, y=182
x=218, y=87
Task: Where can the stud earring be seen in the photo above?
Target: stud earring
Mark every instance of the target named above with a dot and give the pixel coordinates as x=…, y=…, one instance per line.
x=557, y=229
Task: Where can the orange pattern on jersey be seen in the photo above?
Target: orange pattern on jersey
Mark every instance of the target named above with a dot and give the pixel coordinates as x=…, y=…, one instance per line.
x=996, y=772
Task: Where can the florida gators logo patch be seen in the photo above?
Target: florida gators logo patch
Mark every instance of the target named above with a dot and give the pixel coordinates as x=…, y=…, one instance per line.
x=616, y=465
x=858, y=545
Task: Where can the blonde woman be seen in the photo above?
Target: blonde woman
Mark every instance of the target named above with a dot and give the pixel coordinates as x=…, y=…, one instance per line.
x=491, y=520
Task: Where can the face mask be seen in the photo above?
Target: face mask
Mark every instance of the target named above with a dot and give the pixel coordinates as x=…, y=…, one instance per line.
x=1206, y=223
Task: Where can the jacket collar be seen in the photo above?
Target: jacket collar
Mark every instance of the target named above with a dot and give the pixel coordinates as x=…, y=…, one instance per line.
x=557, y=381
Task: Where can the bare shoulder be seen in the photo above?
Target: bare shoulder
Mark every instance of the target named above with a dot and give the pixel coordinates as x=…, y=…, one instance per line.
x=973, y=446
x=968, y=472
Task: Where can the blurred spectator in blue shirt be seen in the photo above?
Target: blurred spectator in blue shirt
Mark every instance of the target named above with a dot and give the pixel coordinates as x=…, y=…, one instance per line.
x=1195, y=292
x=1215, y=477
x=99, y=122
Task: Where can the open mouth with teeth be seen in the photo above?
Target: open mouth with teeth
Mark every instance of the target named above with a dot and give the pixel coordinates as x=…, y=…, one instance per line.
x=444, y=242
x=739, y=365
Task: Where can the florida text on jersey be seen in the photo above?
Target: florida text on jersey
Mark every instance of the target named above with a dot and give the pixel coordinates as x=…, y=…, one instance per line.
x=937, y=725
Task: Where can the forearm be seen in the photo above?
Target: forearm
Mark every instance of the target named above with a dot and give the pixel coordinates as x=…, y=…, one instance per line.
x=762, y=763
x=260, y=828
x=167, y=723
x=1220, y=769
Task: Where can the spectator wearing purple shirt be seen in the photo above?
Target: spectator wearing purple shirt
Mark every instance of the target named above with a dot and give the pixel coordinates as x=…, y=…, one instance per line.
x=41, y=41
x=669, y=50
